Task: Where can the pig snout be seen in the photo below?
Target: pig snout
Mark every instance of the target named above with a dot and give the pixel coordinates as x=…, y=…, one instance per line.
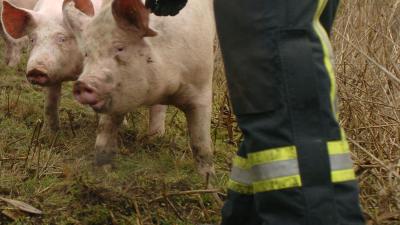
x=85, y=94
x=38, y=77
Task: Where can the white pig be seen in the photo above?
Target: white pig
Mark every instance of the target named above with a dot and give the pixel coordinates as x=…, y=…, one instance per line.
x=133, y=59
x=13, y=47
x=55, y=56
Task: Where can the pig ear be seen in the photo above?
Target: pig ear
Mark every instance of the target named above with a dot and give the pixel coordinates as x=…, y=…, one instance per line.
x=132, y=14
x=85, y=6
x=16, y=21
x=77, y=13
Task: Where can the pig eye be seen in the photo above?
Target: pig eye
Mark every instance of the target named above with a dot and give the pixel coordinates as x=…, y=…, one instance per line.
x=61, y=38
x=120, y=49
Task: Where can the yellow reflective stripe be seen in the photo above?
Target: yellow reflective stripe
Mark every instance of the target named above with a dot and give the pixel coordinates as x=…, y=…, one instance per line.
x=338, y=147
x=327, y=50
x=343, y=175
x=239, y=187
x=285, y=182
x=280, y=156
x=272, y=155
x=343, y=133
x=277, y=184
x=320, y=9
x=241, y=162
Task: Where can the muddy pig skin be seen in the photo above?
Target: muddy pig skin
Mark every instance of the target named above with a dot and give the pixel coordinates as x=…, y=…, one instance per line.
x=135, y=59
x=13, y=47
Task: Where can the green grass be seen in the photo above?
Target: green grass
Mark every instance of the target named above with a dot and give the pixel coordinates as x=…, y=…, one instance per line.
x=59, y=179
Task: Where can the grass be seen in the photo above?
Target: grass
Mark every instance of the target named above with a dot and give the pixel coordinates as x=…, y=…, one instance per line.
x=54, y=174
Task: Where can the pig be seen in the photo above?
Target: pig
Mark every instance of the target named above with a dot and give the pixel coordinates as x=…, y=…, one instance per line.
x=55, y=56
x=12, y=47
x=135, y=59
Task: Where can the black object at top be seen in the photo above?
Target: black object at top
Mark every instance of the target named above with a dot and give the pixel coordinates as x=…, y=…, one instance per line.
x=165, y=7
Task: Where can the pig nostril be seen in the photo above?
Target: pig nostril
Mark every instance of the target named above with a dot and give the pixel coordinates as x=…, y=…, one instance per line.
x=85, y=94
x=88, y=90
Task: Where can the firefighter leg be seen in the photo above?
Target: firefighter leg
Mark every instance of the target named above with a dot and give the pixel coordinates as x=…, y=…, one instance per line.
x=293, y=166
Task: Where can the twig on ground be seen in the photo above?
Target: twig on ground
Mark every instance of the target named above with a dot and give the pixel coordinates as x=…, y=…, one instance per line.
x=209, y=191
x=138, y=214
x=174, y=209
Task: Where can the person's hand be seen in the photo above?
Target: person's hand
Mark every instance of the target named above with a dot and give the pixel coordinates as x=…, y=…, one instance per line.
x=165, y=7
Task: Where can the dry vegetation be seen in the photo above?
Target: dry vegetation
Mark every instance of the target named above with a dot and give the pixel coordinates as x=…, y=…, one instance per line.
x=367, y=45
x=154, y=182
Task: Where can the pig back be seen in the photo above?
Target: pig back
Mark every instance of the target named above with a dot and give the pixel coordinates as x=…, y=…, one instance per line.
x=187, y=39
x=26, y=4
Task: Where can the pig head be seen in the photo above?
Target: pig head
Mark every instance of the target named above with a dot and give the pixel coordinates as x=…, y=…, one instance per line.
x=54, y=56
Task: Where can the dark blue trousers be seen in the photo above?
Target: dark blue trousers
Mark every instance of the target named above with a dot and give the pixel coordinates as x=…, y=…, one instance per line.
x=293, y=166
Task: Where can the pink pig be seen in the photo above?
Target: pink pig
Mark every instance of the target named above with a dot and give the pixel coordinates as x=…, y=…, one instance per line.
x=135, y=59
x=54, y=56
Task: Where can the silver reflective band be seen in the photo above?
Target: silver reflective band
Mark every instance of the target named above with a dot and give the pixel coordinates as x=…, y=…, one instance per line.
x=241, y=175
x=285, y=168
x=275, y=169
x=341, y=162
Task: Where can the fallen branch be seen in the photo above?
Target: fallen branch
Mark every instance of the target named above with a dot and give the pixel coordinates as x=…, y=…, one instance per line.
x=14, y=158
x=138, y=214
x=22, y=206
x=174, y=209
x=193, y=192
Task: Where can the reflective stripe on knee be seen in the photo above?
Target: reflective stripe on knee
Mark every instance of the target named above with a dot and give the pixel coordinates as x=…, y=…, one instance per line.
x=277, y=169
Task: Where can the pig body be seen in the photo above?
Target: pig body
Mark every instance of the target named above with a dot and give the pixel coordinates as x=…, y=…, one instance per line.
x=133, y=59
x=13, y=47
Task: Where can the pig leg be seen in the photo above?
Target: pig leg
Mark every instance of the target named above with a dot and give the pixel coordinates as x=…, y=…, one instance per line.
x=199, y=121
x=107, y=138
x=157, y=120
x=13, y=53
x=51, y=106
x=13, y=50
